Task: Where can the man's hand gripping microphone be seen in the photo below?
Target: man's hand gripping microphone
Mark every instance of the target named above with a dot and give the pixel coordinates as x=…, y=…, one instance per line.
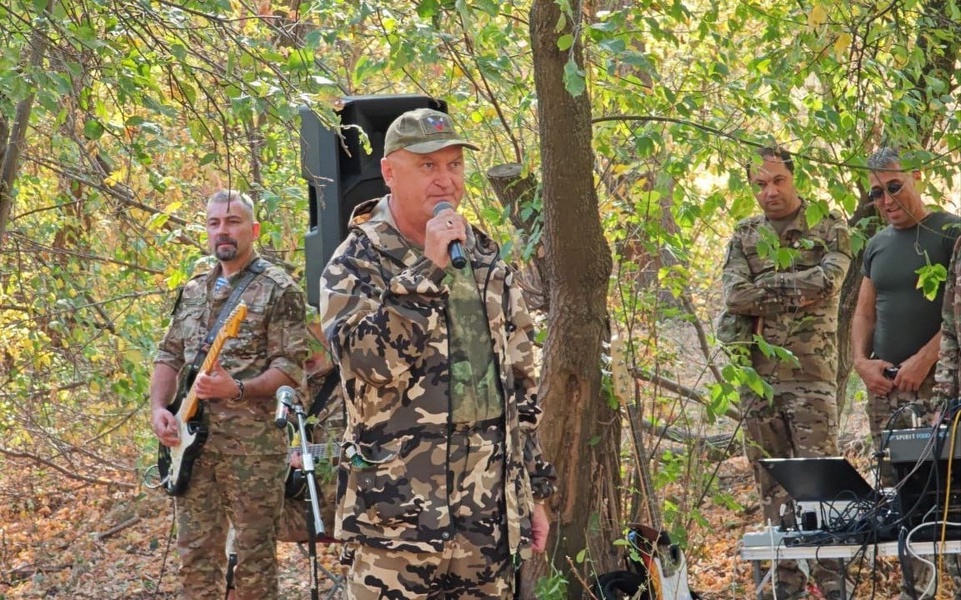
x=455, y=250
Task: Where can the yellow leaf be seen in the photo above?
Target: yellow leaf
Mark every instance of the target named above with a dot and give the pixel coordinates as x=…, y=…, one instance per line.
x=842, y=44
x=818, y=16
x=135, y=356
x=115, y=177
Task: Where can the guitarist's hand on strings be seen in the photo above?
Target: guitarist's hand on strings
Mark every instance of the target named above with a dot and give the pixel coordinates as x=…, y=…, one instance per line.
x=163, y=385
x=216, y=384
x=165, y=426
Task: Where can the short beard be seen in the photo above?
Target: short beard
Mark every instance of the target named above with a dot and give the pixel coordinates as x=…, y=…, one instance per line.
x=226, y=252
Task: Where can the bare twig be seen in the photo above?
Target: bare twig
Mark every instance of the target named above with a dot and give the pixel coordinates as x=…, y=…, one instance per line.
x=72, y=475
x=118, y=528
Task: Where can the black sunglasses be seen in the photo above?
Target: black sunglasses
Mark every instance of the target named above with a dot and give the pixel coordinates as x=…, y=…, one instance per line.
x=892, y=188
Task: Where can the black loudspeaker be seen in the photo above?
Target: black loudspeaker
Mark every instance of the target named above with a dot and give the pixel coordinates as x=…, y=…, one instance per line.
x=340, y=174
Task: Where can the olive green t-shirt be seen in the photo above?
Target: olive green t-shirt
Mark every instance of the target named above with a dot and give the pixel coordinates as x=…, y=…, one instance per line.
x=906, y=320
x=475, y=394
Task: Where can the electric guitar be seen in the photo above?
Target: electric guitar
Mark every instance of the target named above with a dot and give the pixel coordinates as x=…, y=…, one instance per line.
x=295, y=485
x=176, y=462
x=663, y=560
x=326, y=454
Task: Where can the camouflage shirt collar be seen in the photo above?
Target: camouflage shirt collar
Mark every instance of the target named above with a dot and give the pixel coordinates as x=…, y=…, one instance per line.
x=797, y=223
x=374, y=219
x=378, y=225
x=217, y=270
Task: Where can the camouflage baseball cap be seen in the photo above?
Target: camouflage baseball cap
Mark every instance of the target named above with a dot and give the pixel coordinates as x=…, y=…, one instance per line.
x=422, y=131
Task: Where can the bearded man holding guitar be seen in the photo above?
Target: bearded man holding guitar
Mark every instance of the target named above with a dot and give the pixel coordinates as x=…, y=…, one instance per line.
x=234, y=469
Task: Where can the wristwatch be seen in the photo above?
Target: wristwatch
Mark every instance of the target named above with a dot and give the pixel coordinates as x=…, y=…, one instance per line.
x=240, y=393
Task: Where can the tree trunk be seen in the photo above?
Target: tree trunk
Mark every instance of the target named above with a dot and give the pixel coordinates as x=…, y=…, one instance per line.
x=514, y=190
x=18, y=131
x=848, y=302
x=580, y=431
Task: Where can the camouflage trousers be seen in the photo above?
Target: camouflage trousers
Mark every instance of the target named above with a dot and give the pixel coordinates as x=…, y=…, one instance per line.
x=247, y=491
x=475, y=562
x=800, y=422
x=883, y=414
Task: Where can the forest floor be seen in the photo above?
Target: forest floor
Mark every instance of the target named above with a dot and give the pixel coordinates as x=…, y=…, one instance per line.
x=95, y=542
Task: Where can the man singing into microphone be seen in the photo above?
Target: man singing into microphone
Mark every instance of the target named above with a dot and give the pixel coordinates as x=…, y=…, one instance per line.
x=239, y=474
x=442, y=479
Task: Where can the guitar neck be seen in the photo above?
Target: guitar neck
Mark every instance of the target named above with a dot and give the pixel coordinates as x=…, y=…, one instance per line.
x=625, y=388
x=316, y=450
x=644, y=466
x=188, y=407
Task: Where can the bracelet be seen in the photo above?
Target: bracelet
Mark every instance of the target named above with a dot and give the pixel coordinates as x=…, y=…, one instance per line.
x=240, y=392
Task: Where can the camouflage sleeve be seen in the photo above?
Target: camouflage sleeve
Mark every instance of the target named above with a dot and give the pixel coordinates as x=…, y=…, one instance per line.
x=946, y=371
x=821, y=281
x=287, y=334
x=171, y=349
x=521, y=348
x=378, y=328
x=741, y=295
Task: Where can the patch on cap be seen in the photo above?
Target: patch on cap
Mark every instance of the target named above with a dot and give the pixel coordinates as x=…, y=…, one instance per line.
x=437, y=123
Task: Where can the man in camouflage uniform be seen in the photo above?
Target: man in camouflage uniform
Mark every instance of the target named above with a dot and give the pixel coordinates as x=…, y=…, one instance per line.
x=441, y=479
x=239, y=473
x=785, y=275
x=895, y=327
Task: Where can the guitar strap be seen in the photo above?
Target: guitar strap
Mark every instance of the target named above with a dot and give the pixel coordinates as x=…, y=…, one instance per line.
x=255, y=268
x=331, y=381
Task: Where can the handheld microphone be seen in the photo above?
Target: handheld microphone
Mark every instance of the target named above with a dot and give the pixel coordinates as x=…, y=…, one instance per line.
x=285, y=395
x=455, y=250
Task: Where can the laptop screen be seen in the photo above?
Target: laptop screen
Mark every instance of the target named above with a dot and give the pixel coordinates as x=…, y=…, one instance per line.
x=826, y=479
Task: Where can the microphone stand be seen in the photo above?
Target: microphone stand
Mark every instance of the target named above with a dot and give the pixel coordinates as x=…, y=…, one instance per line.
x=315, y=526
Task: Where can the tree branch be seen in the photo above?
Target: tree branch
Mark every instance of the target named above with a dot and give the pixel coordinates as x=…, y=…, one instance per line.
x=683, y=391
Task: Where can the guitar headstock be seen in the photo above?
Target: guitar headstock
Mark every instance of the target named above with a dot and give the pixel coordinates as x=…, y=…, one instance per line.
x=237, y=315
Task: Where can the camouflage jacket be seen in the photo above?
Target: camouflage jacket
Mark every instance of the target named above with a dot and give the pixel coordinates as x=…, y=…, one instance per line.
x=947, y=384
x=383, y=307
x=791, y=288
x=273, y=335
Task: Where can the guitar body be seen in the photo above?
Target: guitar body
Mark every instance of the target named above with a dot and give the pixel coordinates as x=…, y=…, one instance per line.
x=327, y=420
x=663, y=561
x=295, y=486
x=176, y=463
x=657, y=570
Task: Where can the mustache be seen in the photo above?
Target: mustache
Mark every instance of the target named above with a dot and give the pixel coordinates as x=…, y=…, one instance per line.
x=223, y=239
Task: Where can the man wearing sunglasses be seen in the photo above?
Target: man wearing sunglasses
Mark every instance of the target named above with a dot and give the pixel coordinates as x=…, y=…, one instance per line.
x=896, y=330
x=785, y=274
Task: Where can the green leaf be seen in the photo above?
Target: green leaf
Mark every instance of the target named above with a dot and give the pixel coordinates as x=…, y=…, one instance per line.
x=427, y=8
x=565, y=42
x=301, y=60
x=574, y=78
x=92, y=129
x=930, y=278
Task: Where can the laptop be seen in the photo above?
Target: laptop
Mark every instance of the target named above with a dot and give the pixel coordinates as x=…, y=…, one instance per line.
x=828, y=479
